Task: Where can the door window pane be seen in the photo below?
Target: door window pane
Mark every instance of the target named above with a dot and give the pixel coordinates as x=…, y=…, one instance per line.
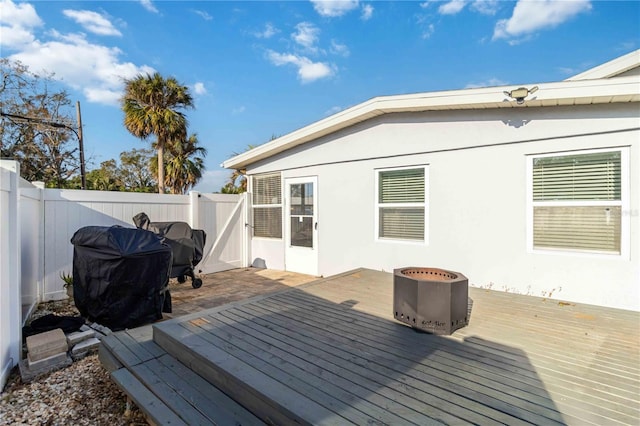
x=302, y=199
x=301, y=231
x=301, y=214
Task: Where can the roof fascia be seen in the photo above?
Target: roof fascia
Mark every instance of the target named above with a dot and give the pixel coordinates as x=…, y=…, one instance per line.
x=622, y=89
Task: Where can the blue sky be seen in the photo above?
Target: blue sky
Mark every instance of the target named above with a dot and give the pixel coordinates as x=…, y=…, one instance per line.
x=264, y=68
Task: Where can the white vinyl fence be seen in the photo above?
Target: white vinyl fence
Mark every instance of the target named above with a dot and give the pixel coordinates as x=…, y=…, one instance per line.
x=38, y=223
x=10, y=323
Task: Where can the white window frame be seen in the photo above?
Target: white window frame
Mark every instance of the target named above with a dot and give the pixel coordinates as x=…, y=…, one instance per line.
x=624, y=204
x=273, y=206
x=424, y=204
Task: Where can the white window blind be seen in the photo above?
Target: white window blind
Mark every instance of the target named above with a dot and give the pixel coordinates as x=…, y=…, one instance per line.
x=401, y=204
x=577, y=177
x=577, y=202
x=267, y=206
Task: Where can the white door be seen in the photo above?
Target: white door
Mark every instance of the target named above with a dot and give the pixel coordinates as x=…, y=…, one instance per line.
x=301, y=227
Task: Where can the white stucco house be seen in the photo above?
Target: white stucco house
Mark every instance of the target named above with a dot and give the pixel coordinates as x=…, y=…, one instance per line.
x=530, y=188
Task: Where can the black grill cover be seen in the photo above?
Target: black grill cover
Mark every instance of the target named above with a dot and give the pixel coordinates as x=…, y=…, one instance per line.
x=186, y=243
x=120, y=275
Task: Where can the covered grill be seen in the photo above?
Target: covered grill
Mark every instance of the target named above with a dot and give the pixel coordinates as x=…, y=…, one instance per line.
x=186, y=244
x=120, y=276
x=430, y=299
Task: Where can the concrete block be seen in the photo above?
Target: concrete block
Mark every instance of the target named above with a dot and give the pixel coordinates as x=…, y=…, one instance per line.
x=79, y=336
x=45, y=363
x=86, y=345
x=44, y=345
x=101, y=329
x=27, y=374
x=85, y=327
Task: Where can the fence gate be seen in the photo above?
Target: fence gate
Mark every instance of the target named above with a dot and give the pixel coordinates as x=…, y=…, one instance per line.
x=223, y=217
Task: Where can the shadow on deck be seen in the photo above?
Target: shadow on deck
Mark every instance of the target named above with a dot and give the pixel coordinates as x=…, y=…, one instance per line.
x=329, y=352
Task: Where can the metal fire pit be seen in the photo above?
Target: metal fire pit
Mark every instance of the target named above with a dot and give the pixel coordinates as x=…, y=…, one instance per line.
x=430, y=299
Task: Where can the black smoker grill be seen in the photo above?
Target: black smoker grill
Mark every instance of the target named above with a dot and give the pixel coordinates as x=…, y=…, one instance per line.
x=430, y=299
x=186, y=244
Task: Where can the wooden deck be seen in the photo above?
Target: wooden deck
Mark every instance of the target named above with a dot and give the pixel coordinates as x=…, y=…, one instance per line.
x=329, y=352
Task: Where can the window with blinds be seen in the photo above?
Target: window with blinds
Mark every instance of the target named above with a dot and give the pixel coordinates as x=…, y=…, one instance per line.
x=401, y=204
x=577, y=202
x=267, y=205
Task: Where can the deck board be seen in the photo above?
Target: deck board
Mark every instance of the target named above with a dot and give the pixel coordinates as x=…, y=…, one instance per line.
x=441, y=384
x=379, y=377
x=280, y=363
x=548, y=357
x=163, y=388
x=330, y=352
x=490, y=371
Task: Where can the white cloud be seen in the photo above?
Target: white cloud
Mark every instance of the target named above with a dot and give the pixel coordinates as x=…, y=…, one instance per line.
x=148, y=4
x=95, y=69
x=485, y=7
x=92, y=22
x=213, y=180
x=239, y=110
x=306, y=35
x=367, y=12
x=268, y=32
x=199, y=88
x=339, y=49
x=23, y=14
x=16, y=24
x=428, y=31
x=492, y=82
x=531, y=16
x=333, y=110
x=567, y=71
x=452, y=7
x=99, y=74
x=334, y=8
x=204, y=15
x=308, y=70
x=102, y=96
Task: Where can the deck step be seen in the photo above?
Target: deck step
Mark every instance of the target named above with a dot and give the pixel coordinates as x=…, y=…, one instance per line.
x=155, y=410
x=162, y=387
x=285, y=386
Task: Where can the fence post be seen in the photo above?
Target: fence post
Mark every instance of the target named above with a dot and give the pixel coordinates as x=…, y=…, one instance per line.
x=194, y=212
x=247, y=231
x=41, y=241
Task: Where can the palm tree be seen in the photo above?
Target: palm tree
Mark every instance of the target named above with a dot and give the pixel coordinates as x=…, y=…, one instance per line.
x=231, y=188
x=237, y=183
x=151, y=106
x=184, y=162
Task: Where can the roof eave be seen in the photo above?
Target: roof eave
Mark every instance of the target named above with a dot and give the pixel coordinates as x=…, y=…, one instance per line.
x=580, y=92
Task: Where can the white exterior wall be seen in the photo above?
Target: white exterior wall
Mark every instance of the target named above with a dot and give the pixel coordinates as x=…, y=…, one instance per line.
x=477, y=198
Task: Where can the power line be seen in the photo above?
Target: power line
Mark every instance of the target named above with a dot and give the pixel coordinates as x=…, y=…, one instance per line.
x=57, y=125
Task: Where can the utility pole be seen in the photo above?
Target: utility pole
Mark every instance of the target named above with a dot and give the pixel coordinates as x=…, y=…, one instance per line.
x=78, y=133
x=83, y=176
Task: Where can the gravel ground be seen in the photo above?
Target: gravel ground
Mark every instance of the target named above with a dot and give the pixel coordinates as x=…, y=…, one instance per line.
x=81, y=394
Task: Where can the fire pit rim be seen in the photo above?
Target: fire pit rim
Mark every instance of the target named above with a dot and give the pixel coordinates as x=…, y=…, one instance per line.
x=429, y=274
